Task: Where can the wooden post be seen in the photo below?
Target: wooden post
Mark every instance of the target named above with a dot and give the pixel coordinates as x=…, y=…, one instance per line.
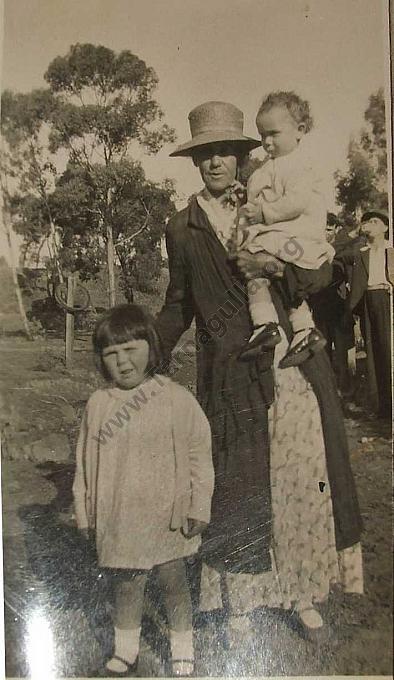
x=70, y=320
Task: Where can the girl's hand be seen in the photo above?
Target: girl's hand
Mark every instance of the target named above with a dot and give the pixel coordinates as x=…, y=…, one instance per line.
x=252, y=213
x=85, y=533
x=195, y=527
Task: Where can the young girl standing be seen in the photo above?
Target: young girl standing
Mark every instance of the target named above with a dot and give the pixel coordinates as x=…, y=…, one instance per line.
x=143, y=482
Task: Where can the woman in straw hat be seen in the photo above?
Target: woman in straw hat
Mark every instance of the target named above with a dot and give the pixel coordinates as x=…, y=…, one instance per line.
x=285, y=518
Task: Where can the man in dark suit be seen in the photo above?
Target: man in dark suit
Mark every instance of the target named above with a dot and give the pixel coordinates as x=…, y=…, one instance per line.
x=330, y=310
x=370, y=299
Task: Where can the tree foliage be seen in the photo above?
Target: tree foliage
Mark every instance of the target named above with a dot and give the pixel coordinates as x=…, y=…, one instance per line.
x=105, y=105
x=28, y=168
x=105, y=102
x=137, y=211
x=98, y=109
x=365, y=183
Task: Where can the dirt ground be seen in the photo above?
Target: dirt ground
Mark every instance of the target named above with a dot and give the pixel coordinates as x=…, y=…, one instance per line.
x=57, y=601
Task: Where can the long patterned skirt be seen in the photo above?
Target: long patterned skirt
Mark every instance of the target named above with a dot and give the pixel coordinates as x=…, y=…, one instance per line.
x=305, y=561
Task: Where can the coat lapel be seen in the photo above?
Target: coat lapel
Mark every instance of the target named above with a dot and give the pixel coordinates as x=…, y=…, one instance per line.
x=219, y=254
x=359, y=278
x=199, y=220
x=365, y=260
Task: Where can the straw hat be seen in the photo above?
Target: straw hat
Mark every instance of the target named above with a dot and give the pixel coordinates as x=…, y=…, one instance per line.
x=215, y=122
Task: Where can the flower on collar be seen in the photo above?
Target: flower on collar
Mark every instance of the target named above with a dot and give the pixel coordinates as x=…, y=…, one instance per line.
x=235, y=195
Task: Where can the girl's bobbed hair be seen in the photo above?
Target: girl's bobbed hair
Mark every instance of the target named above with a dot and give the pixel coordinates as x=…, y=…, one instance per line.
x=298, y=108
x=122, y=324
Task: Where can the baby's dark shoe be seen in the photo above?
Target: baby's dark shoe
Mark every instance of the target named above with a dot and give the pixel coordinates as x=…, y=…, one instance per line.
x=267, y=338
x=313, y=342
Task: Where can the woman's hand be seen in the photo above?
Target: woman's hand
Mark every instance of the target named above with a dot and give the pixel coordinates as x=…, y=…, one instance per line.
x=195, y=527
x=258, y=265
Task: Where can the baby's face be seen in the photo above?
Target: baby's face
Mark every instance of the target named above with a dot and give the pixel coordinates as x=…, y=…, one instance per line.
x=280, y=133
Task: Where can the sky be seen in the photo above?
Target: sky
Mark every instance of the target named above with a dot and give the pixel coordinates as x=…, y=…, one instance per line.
x=331, y=52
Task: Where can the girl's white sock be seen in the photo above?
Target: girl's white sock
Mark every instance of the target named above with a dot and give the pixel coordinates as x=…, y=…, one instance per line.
x=182, y=644
x=127, y=643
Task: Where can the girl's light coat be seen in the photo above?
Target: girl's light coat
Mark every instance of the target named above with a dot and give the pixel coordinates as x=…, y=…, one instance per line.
x=191, y=435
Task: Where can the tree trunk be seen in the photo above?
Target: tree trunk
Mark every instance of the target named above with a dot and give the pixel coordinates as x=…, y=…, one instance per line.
x=125, y=283
x=17, y=289
x=69, y=345
x=110, y=254
x=111, y=267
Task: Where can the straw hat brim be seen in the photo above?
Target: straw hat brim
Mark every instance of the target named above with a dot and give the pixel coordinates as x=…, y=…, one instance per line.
x=206, y=138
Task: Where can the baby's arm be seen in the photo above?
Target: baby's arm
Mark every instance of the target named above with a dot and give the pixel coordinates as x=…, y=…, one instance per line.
x=251, y=212
x=295, y=201
x=201, y=470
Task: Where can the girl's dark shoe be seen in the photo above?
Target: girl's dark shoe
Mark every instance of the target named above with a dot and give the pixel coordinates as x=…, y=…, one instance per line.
x=303, y=350
x=268, y=337
x=129, y=672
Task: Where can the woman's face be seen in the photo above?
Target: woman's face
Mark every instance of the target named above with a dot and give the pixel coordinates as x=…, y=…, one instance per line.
x=218, y=166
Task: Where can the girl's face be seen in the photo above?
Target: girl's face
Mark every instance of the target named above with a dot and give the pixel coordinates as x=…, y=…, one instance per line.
x=280, y=133
x=126, y=363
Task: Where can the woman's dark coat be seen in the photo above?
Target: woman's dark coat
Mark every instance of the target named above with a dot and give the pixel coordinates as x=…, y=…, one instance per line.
x=236, y=396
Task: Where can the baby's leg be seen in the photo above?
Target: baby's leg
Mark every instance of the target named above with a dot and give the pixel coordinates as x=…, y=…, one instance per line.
x=261, y=307
x=129, y=600
x=298, y=285
x=302, y=322
x=173, y=580
x=264, y=318
x=307, y=340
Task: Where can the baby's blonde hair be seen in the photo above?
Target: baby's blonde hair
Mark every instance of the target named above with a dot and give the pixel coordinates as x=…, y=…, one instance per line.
x=298, y=108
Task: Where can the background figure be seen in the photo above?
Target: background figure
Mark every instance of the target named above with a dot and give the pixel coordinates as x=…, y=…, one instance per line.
x=330, y=309
x=370, y=299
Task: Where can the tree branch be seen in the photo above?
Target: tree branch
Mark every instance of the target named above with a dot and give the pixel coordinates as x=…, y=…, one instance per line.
x=129, y=239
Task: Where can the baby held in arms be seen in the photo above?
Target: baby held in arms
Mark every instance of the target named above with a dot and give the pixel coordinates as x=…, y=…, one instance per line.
x=285, y=215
